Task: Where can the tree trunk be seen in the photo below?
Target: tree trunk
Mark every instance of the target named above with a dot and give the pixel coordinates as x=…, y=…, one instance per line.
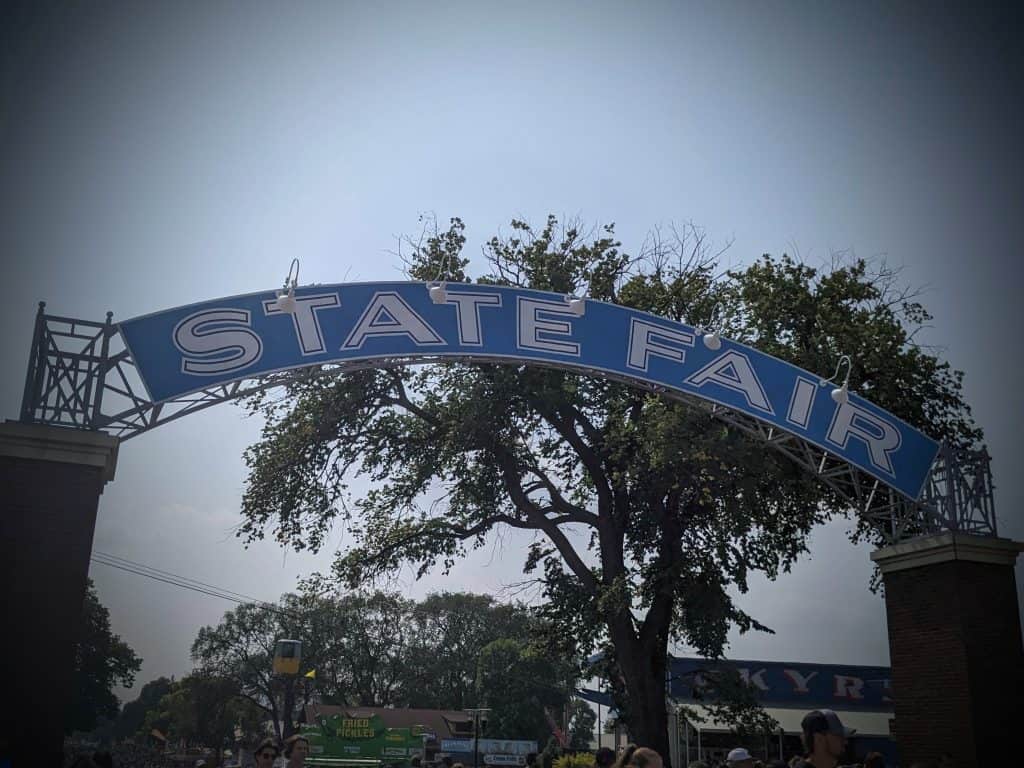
x=647, y=716
x=289, y=708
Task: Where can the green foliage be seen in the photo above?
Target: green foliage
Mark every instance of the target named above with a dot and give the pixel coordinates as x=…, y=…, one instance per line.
x=575, y=760
x=582, y=720
x=377, y=649
x=551, y=752
x=647, y=512
x=241, y=650
x=728, y=698
x=133, y=714
x=102, y=661
x=203, y=710
x=518, y=682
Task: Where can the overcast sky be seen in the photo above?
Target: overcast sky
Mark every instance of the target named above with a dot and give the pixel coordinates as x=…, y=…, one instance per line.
x=157, y=154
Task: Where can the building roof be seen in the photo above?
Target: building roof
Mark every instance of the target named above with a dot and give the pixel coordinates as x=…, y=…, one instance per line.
x=440, y=722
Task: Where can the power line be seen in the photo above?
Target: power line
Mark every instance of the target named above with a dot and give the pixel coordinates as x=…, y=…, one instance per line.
x=151, y=569
x=175, y=580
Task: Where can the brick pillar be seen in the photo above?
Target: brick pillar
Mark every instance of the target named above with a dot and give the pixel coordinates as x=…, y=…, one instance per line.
x=955, y=645
x=51, y=481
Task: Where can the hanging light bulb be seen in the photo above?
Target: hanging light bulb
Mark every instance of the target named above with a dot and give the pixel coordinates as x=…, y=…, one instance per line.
x=840, y=394
x=712, y=333
x=286, y=296
x=437, y=292
x=286, y=300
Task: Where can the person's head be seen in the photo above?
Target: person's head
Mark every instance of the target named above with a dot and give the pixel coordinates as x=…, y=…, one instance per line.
x=644, y=757
x=874, y=760
x=824, y=734
x=625, y=755
x=531, y=758
x=296, y=748
x=739, y=758
x=266, y=753
x=415, y=762
x=604, y=757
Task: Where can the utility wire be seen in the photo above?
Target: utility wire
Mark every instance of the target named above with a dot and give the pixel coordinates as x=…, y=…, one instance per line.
x=183, y=582
x=151, y=569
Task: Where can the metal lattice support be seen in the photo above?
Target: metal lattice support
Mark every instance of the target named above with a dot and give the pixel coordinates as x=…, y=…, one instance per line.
x=81, y=376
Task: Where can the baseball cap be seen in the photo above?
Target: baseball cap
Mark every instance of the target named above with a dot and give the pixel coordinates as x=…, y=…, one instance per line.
x=737, y=755
x=825, y=721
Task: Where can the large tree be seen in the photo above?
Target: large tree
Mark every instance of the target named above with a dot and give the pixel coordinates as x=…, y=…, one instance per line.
x=102, y=661
x=647, y=511
x=133, y=714
x=241, y=650
x=204, y=711
x=448, y=633
x=373, y=649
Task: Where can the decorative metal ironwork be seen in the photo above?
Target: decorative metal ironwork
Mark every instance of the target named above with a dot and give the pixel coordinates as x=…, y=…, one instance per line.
x=81, y=376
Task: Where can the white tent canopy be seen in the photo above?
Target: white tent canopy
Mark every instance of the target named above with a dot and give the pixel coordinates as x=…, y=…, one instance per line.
x=865, y=723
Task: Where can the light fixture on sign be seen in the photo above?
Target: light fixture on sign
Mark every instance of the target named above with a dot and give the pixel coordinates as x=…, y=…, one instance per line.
x=712, y=332
x=840, y=394
x=286, y=296
x=578, y=304
x=437, y=292
x=438, y=288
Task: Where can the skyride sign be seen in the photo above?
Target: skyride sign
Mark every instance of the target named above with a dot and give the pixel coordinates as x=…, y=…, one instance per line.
x=186, y=349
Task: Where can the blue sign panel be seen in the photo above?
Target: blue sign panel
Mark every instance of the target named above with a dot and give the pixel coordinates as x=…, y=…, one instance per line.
x=781, y=684
x=796, y=685
x=186, y=349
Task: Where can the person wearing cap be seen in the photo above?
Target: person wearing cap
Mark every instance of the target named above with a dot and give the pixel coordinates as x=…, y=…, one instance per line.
x=824, y=738
x=739, y=758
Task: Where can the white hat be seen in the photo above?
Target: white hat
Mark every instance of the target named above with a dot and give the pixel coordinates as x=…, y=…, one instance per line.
x=738, y=755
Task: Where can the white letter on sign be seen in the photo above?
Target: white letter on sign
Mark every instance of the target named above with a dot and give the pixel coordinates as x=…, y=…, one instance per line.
x=388, y=315
x=222, y=339
x=756, y=679
x=881, y=437
x=848, y=687
x=799, y=680
x=532, y=324
x=646, y=339
x=732, y=371
x=467, y=310
x=307, y=327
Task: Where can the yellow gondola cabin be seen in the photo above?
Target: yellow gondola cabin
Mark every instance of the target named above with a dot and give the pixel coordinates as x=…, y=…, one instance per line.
x=287, y=657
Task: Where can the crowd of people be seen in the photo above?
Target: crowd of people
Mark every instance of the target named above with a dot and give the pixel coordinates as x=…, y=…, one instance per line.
x=824, y=739
x=124, y=755
x=267, y=754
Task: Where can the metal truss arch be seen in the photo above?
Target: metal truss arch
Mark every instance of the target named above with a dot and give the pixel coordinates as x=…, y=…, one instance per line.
x=81, y=376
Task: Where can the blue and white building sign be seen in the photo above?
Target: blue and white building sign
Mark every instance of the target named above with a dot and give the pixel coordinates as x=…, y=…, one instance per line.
x=190, y=348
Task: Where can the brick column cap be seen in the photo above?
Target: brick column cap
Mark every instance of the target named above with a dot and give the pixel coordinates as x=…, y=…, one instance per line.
x=43, y=442
x=945, y=547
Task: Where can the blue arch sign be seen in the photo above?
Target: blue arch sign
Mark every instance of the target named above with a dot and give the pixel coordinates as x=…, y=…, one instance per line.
x=186, y=349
